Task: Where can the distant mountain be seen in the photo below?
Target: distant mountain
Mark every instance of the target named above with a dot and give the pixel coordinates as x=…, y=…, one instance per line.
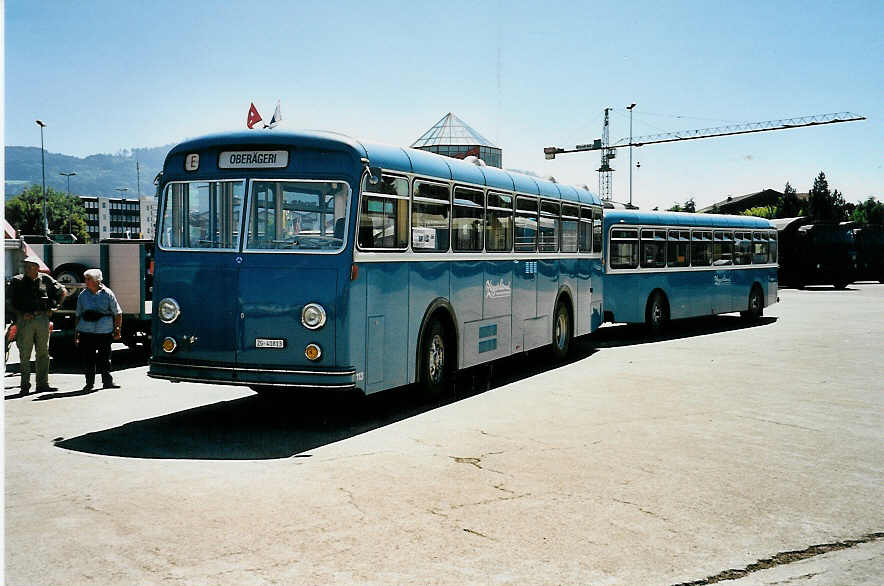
x=95, y=174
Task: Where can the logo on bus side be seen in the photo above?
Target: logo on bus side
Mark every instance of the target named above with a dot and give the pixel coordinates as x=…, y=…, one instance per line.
x=497, y=290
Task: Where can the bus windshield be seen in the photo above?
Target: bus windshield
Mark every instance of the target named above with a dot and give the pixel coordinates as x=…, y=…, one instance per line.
x=202, y=215
x=297, y=215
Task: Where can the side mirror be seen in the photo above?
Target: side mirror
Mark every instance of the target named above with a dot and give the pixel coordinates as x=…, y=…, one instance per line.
x=374, y=175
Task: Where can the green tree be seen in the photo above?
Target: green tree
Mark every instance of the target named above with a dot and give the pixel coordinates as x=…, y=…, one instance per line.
x=767, y=212
x=65, y=213
x=870, y=211
x=789, y=205
x=688, y=206
x=824, y=204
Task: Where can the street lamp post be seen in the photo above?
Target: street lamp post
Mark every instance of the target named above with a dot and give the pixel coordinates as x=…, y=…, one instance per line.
x=42, y=125
x=68, y=175
x=630, y=107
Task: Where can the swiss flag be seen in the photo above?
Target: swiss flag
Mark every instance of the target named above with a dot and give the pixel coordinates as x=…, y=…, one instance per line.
x=253, y=117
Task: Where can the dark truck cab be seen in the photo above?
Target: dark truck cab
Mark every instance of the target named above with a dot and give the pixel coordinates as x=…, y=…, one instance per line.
x=816, y=253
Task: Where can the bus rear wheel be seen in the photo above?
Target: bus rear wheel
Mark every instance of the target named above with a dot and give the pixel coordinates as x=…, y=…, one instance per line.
x=435, y=359
x=657, y=313
x=756, y=305
x=562, y=332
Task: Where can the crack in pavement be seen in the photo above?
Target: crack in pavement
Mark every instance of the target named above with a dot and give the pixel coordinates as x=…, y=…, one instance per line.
x=639, y=507
x=783, y=558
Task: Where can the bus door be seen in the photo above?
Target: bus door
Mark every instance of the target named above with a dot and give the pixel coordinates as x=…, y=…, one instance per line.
x=200, y=228
x=293, y=230
x=525, y=334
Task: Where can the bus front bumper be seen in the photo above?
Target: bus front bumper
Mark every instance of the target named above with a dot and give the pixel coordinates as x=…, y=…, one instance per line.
x=330, y=379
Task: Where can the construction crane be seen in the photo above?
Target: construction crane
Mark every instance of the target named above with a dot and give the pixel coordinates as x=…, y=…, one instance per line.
x=608, y=153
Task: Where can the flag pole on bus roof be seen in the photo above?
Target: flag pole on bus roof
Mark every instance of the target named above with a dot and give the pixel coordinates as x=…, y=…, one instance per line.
x=277, y=116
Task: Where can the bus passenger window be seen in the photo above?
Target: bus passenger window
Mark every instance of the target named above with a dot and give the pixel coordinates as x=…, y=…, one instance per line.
x=624, y=249
x=679, y=248
x=723, y=248
x=383, y=218
x=570, y=219
x=586, y=235
x=468, y=219
x=701, y=249
x=526, y=224
x=549, y=222
x=772, y=249
x=597, y=229
x=430, y=227
x=760, y=248
x=653, y=248
x=499, y=222
x=742, y=248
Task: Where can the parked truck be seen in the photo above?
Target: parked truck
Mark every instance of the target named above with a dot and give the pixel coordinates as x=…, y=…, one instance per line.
x=127, y=266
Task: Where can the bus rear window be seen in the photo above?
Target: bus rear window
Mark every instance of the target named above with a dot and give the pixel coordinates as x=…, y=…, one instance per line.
x=297, y=215
x=201, y=215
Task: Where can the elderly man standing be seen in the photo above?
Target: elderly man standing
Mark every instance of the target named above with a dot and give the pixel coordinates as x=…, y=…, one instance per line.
x=99, y=318
x=33, y=296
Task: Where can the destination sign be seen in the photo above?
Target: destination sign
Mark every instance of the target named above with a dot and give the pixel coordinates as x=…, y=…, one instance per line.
x=253, y=160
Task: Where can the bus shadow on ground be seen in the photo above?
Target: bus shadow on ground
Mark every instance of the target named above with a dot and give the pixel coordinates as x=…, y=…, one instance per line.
x=634, y=334
x=259, y=427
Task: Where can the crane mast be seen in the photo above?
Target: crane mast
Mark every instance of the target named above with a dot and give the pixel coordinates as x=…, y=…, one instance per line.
x=608, y=153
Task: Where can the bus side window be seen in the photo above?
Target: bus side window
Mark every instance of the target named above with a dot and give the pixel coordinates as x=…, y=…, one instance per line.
x=570, y=221
x=585, y=231
x=468, y=219
x=430, y=217
x=723, y=248
x=383, y=218
x=772, y=249
x=624, y=249
x=499, y=222
x=679, y=248
x=526, y=224
x=653, y=245
x=760, y=248
x=701, y=249
x=549, y=223
x=597, y=229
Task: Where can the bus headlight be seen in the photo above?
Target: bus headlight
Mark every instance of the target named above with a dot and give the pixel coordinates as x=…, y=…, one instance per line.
x=168, y=310
x=313, y=316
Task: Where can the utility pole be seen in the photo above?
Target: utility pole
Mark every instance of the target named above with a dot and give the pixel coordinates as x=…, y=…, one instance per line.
x=630, y=107
x=138, y=172
x=71, y=212
x=42, y=125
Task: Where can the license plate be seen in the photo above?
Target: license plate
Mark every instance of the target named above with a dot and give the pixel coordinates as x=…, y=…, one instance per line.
x=269, y=343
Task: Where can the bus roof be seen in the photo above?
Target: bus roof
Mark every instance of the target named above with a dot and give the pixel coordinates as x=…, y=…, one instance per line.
x=643, y=218
x=395, y=158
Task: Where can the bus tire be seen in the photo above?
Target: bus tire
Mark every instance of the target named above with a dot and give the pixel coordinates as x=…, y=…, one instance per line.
x=562, y=332
x=436, y=357
x=755, y=309
x=657, y=312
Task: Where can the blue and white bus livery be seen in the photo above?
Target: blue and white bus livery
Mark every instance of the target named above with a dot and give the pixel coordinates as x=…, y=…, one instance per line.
x=661, y=266
x=313, y=260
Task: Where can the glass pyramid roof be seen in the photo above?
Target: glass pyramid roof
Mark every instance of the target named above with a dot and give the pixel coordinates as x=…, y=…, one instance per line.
x=451, y=130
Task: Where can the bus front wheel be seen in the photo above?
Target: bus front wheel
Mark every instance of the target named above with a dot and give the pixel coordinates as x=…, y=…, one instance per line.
x=562, y=332
x=657, y=313
x=435, y=359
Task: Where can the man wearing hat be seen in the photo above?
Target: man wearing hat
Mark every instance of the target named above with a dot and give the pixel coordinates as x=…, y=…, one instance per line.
x=33, y=296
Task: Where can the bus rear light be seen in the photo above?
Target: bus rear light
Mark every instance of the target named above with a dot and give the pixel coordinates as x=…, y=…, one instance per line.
x=354, y=271
x=169, y=345
x=313, y=352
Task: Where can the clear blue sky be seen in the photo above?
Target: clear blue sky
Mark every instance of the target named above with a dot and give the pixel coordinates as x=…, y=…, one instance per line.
x=107, y=76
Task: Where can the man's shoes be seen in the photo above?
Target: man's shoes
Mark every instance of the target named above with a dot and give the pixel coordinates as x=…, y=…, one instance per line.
x=25, y=390
x=46, y=389
x=110, y=385
x=88, y=387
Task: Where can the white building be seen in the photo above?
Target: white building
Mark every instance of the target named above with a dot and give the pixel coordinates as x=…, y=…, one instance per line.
x=119, y=217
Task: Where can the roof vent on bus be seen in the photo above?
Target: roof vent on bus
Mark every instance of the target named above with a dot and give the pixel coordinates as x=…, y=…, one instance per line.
x=475, y=160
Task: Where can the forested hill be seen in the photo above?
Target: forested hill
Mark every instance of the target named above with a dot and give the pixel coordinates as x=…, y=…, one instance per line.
x=95, y=174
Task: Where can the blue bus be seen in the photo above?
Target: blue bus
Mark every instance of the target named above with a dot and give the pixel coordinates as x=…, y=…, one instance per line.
x=665, y=265
x=313, y=260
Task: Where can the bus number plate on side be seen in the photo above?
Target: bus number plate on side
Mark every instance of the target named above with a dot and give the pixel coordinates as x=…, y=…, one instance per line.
x=269, y=343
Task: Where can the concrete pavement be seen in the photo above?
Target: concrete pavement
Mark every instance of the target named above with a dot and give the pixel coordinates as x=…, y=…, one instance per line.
x=639, y=462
